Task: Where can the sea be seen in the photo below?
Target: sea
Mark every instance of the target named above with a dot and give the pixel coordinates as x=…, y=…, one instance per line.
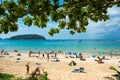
x=57, y=45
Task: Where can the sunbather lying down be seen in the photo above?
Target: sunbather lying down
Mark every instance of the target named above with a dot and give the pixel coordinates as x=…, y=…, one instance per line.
x=81, y=69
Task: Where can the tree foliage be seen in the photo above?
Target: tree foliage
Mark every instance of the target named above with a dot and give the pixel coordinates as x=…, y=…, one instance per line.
x=72, y=15
x=116, y=76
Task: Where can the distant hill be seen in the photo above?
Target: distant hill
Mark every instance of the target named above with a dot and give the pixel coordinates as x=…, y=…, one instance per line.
x=27, y=37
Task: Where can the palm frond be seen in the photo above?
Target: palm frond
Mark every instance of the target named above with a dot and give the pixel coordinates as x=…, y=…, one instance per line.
x=109, y=78
x=113, y=68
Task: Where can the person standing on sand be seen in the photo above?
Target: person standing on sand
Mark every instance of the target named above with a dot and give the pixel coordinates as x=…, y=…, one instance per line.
x=47, y=56
x=27, y=67
x=39, y=53
x=55, y=55
x=43, y=55
x=80, y=54
x=111, y=54
x=30, y=52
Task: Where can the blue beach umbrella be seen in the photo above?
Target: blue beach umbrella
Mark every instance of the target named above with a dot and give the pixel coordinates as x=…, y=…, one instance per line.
x=69, y=53
x=74, y=53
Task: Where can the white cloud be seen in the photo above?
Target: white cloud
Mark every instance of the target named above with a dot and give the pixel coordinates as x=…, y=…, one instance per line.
x=106, y=27
x=114, y=11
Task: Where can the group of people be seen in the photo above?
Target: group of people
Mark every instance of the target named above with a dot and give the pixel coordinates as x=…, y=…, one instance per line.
x=35, y=73
x=43, y=54
x=3, y=52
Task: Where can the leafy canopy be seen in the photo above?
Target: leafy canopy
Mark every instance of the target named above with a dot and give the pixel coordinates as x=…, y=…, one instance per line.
x=72, y=15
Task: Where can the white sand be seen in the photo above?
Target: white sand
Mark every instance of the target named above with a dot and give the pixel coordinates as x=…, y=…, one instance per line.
x=60, y=70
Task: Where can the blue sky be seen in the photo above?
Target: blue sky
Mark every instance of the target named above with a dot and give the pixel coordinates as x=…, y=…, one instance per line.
x=100, y=30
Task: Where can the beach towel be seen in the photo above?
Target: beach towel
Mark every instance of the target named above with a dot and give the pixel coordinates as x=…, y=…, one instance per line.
x=81, y=69
x=93, y=56
x=76, y=71
x=55, y=60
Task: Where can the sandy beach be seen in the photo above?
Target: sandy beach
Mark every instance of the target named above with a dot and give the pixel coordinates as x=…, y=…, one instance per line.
x=59, y=70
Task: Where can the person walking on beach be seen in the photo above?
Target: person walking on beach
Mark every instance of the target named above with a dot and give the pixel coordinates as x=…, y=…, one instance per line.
x=27, y=67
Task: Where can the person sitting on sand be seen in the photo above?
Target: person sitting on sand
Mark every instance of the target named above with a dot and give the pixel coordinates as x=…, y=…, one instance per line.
x=36, y=72
x=27, y=68
x=81, y=56
x=99, y=59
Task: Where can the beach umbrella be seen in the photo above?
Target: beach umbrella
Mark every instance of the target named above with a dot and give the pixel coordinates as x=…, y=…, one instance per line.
x=101, y=53
x=74, y=53
x=72, y=63
x=69, y=53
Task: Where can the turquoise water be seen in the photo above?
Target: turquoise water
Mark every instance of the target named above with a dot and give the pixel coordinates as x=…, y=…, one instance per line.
x=84, y=46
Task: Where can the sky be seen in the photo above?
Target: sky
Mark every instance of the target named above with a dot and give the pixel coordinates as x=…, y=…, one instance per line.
x=109, y=29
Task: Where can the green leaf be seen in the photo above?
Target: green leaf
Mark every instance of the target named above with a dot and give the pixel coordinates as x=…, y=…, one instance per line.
x=62, y=24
